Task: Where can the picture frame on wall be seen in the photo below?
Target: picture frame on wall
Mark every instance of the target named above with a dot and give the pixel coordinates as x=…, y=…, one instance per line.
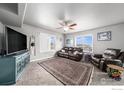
x=104, y=36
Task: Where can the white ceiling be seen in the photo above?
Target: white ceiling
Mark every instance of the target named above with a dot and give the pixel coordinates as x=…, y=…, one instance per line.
x=12, y=13
x=87, y=16
x=47, y=15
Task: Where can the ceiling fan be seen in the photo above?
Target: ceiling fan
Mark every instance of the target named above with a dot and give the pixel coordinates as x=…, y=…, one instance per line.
x=67, y=25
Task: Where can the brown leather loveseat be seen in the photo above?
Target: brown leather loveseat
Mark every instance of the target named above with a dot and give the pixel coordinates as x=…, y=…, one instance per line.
x=72, y=53
x=110, y=56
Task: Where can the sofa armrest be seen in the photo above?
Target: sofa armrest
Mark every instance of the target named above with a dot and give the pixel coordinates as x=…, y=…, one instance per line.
x=59, y=51
x=80, y=53
x=97, y=55
x=118, y=62
x=114, y=62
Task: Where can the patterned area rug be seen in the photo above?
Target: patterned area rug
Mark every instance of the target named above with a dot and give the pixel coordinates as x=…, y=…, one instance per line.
x=67, y=71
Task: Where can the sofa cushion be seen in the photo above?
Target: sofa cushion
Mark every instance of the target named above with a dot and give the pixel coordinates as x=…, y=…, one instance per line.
x=78, y=49
x=97, y=60
x=63, y=53
x=121, y=57
x=105, y=56
x=70, y=48
x=71, y=55
x=75, y=52
x=74, y=56
x=97, y=55
x=70, y=52
x=62, y=50
x=65, y=48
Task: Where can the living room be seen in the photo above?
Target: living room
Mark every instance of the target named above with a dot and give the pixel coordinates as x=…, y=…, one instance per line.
x=61, y=44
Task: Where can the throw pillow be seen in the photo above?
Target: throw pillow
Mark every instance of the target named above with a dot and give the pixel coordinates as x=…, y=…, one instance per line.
x=75, y=53
x=63, y=50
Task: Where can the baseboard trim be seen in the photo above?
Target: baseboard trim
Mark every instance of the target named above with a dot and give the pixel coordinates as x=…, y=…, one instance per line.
x=41, y=59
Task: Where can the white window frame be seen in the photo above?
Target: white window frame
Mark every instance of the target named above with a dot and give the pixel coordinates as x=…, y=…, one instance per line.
x=50, y=42
x=41, y=43
x=47, y=41
x=71, y=38
x=83, y=36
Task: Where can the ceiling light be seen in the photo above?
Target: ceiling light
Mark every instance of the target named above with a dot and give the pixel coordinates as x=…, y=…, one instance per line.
x=66, y=28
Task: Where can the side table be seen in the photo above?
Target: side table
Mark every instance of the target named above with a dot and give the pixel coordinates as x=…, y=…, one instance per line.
x=87, y=57
x=115, y=71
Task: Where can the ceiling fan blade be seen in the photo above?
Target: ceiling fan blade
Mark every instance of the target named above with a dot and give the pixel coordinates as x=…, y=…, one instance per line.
x=72, y=25
x=62, y=24
x=59, y=27
x=71, y=28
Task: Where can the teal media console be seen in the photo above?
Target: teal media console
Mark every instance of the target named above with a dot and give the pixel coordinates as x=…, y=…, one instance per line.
x=11, y=67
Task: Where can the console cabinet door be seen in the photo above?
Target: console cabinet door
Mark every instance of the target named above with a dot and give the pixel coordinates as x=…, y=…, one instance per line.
x=7, y=71
x=11, y=68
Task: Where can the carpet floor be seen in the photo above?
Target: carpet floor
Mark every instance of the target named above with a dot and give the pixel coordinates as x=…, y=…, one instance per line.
x=34, y=74
x=102, y=78
x=68, y=71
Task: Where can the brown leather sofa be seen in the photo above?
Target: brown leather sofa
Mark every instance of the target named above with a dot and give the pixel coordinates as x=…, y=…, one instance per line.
x=110, y=56
x=72, y=53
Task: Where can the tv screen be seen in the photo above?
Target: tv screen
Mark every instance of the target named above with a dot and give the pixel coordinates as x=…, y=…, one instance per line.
x=15, y=41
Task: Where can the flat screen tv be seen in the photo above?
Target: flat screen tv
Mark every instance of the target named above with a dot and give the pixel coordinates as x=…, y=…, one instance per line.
x=15, y=41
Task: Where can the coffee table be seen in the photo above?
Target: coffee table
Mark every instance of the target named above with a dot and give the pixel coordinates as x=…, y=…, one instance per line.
x=115, y=71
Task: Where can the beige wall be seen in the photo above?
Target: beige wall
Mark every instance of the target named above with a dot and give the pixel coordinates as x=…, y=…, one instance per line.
x=99, y=46
x=30, y=30
x=1, y=34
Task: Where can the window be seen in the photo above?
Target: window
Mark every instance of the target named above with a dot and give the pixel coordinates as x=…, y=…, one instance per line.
x=69, y=42
x=52, y=43
x=86, y=42
x=43, y=39
x=47, y=42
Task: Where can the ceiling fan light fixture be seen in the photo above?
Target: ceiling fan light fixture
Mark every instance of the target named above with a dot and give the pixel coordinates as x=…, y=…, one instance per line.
x=66, y=28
